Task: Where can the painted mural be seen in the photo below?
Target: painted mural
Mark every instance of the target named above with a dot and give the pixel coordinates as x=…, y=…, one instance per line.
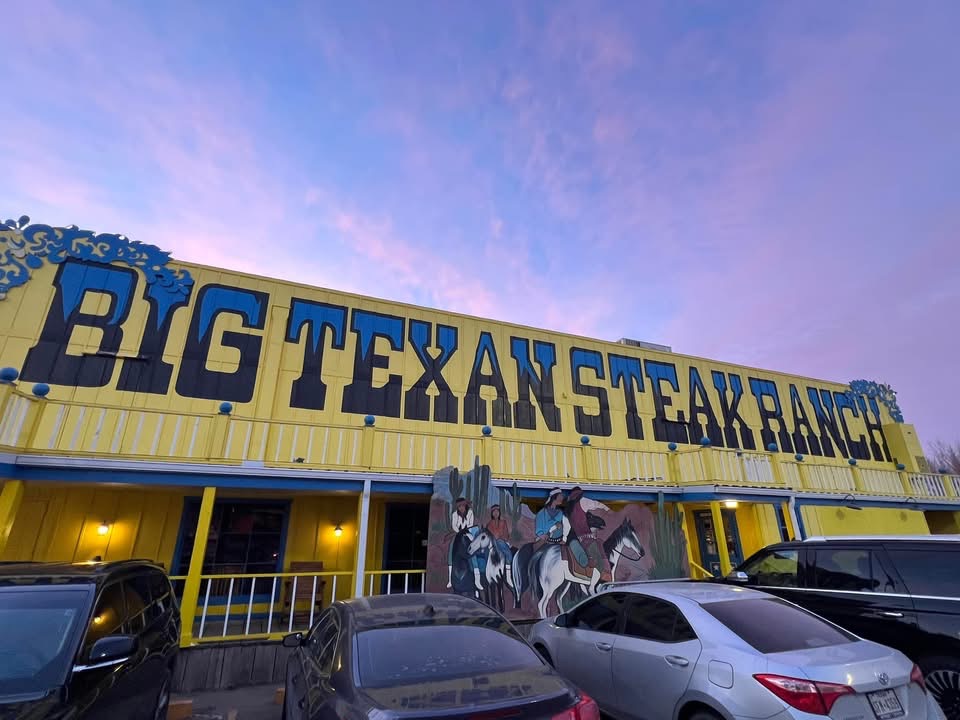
x=486, y=542
x=106, y=318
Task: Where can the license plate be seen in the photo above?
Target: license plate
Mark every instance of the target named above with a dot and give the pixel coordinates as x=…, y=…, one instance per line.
x=885, y=704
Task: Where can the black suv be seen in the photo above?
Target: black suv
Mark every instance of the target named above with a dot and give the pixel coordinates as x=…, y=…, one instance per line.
x=903, y=592
x=96, y=640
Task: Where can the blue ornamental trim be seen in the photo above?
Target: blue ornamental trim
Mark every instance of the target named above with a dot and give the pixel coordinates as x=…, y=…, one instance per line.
x=883, y=394
x=24, y=245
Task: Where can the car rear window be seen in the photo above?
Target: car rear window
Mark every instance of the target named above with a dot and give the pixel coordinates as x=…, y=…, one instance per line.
x=771, y=625
x=387, y=657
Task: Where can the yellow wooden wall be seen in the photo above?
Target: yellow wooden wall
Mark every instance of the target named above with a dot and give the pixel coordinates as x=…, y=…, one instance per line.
x=830, y=520
x=59, y=523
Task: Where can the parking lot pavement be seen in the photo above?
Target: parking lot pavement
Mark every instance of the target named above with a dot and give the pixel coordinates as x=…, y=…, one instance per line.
x=249, y=703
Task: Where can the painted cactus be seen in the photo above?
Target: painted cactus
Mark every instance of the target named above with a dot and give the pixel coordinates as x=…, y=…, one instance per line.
x=669, y=544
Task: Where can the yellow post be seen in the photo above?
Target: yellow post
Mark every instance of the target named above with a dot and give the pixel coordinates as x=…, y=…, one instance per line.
x=857, y=478
x=9, y=504
x=590, y=462
x=709, y=466
x=721, y=537
x=673, y=469
x=219, y=427
x=367, y=440
x=486, y=453
x=191, y=589
x=6, y=393
x=776, y=469
x=905, y=483
x=804, y=475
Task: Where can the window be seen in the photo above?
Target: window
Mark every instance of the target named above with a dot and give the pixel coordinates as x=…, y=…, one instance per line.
x=599, y=614
x=652, y=619
x=775, y=569
x=928, y=572
x=245, y=537
x=796, y=629
x=136, y=592
x=108, y=616
x=40, y=627
x=391, y=656
x=323, y=641
x=852, y=570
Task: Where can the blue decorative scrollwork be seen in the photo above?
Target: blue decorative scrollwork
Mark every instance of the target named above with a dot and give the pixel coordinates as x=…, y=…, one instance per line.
x=882, y=392
x=24, y=245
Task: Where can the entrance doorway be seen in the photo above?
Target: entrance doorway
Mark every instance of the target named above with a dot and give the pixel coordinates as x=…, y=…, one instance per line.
x=709, y=551
x=405, y=541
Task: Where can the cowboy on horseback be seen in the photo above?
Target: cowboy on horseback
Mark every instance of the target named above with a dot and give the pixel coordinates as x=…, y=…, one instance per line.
x=462, y=522
x=582, y=540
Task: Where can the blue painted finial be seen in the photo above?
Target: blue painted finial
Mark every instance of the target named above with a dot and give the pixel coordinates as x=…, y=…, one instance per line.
x=584, y=440
x=852, y=461
x=487, y=430
x=8, y=375
x=41, y=390
x=705, y=441
x=226, y=408
x=901, y=467
x=798, y=457
x=772, y=447
x=369, y=420
x=671, y=446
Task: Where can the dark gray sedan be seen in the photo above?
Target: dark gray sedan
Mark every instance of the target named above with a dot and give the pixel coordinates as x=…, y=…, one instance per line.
x=422, y=656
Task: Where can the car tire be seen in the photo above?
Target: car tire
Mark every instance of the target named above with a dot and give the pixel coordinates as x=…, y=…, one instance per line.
x=942, y=675
x=163, y=699
x=545, y=654
x=704, y=714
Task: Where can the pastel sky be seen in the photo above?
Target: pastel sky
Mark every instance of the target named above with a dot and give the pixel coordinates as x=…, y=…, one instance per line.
x=770, y=183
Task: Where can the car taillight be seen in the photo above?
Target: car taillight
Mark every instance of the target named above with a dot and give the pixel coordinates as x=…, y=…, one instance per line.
x=807, y=695
x=916, y=676
x=585, y=709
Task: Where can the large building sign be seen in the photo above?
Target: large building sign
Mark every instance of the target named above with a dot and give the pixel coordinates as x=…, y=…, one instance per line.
x=99, y=311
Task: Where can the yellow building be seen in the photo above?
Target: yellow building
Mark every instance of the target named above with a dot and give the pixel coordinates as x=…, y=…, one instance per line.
x=271, y=443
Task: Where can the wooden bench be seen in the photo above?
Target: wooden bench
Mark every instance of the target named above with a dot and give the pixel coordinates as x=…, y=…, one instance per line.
x=304, y=592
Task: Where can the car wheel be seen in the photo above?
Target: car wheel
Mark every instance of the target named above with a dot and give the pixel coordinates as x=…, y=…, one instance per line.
x=544, y=654
x=703, y=714
x=163, y=700
x=942, y=676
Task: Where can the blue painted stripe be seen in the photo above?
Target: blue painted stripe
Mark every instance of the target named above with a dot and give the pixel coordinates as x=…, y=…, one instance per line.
x=411, y=488
x=733, y=495
x=892, y=504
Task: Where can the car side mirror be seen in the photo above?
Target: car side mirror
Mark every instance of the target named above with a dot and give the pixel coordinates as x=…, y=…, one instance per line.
x=562, y=620
x=738, y=576
x=108, y=651
x=293, y=640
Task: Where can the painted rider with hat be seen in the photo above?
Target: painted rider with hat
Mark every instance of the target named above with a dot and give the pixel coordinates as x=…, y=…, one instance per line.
x=462, y=520
x=549, y=521
x=582, y=538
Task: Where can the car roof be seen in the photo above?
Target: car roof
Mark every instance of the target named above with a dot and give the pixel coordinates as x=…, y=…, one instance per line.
x=376, y=611
x=694, y=591
x=82, y=572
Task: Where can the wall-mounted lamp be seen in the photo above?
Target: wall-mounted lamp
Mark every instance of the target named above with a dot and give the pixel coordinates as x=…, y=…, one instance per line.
x=850, y=500
x=338, y=531
x=103, y=528
x=731, y=504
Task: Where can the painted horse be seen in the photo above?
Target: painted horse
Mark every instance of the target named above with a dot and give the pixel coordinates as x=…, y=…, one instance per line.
x=495, y=567
x=547, y=574
x=462, y=579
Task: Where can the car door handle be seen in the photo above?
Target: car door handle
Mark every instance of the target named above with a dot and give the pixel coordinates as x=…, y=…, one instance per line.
x=300, y=703
x=677, y=661
x=891, y=614
x=606, y=647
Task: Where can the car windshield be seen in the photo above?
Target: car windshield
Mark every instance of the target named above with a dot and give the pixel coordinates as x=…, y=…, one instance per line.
x=388, y=657
x=796, y=629
x=37, y=639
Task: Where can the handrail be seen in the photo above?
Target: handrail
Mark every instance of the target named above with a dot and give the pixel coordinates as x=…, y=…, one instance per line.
x=706, y=573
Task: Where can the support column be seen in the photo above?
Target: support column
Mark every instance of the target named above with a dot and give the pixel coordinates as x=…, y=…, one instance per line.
x=363, y=510
x=721, y=537
x=793, y=512
x=9, y=504
x=191, y=589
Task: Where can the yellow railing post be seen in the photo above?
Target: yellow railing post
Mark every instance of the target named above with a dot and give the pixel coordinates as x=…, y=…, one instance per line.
x=803, y=474
x=709, y=466
x=905, y=480
x=10, y=499
x=8, y=377
x=219, y=427
x=589, y=460
x=673, y=467
x=721, y=537
x=775, y=468
x=368, y=438
x=857, y=476
x=191, y=588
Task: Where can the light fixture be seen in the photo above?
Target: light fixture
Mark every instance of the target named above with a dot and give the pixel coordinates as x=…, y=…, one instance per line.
x=849, y=501
x=732, y=504
x=97, y=619
x=103, y=528
x=338, y=531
